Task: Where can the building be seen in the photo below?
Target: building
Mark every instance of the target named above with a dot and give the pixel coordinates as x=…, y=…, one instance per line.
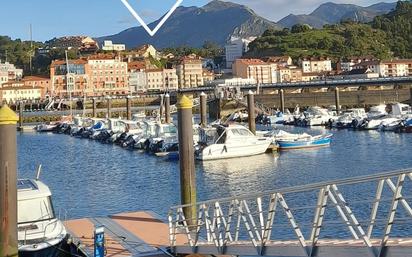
x=9, y=72
x=137, y=77
x=108, y=75
x=208, y=76
x=16, y=91
x=316, y=65
x=37, y=81
x=256, y=69
x=84, y=44
x=75, y=80
x=109, y=46
x=235, y=49
x=281, y=61
x=347, y=64
x=374, y=66
x=396, y=68
x=190, y=72
x=161, y=80
x=141, y=53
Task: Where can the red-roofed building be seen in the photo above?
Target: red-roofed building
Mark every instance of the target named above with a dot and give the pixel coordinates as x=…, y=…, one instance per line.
x=259, y=70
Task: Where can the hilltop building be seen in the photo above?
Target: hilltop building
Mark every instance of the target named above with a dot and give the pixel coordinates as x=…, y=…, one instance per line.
x=315, y=64
x=84, y=44
x=236, y=48
x=109, y=46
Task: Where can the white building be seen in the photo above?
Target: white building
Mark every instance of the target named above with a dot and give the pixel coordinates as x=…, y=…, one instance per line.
x=15, y=93
x=316, y=65
x=138, y=81
x=235, y=49
x=12, y=72
x=109, y=46
x=161, y=80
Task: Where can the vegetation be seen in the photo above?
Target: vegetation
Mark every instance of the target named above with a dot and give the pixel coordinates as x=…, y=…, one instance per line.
x=387, y=36
x=398, y=26
x=209, y=50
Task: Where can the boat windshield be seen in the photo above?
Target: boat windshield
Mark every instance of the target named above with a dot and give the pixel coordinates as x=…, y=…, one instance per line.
x=169, y=129
x=34, y=210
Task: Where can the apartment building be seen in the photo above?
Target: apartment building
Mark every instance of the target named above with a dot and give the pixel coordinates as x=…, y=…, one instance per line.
x=236, y=48
x=396, y=68
x=37, y=81
x=347, y=64
x=256, y=69
x=16, y=90
x=161, y=80
x=109, y=46
x=190, y=72
x=318, y=65
x=108, y=75
x=137, y=77
x=74, y=80
x=9, y=72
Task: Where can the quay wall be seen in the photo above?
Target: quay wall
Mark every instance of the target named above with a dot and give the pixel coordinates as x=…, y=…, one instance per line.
x=361, y=98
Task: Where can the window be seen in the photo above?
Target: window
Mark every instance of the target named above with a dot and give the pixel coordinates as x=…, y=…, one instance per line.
x=35, y=210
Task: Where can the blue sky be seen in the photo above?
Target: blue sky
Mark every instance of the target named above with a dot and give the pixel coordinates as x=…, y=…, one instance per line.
x=54, y=18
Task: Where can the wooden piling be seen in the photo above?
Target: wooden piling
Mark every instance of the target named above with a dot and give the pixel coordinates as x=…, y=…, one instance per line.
x=282, y=100
x=129, y=107
x=161, y=106
x=251, y=112
x=94, y=107
x=337, y=100
x=8, y=182
x=187, y=158
x=203, y=110
x=20, y=115
x=109, y=107
x=168, y=119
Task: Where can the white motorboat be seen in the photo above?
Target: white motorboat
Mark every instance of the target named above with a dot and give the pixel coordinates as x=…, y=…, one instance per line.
x=40, y=232
x=402, y=111
x=165, y=137
x=345, y=120
x=390, y=124
x=316, y=116
x=377, y=111
x=220, y=142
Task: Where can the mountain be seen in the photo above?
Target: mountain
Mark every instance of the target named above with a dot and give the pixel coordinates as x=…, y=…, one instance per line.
x=192, y=26
x=332, y=13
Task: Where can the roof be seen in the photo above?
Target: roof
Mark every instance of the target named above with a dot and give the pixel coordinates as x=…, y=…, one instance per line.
x=102, y=57
x=63, y=62
x=357, y=71
x=137, y=65
x=18, y=87
x=394, y=61
x=35, y=78
x=277, y=59
x=314, y=59
x=251, y=61
x=31, y=189
x=366, y=63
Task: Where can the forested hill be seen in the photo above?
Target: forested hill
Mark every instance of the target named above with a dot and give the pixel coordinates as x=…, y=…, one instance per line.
x=386, y=36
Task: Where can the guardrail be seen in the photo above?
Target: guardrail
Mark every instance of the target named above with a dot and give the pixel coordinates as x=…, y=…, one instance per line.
x=363, y=216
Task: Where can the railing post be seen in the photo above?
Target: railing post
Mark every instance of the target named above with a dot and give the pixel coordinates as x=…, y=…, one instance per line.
x=168, y=119
x=8, y=182
x=251, y=112
x=129, y=107
x=203, y=110
x=337, y=100
x=282, y=100
x=94, y=107
x=109, y=107
x=186, y=157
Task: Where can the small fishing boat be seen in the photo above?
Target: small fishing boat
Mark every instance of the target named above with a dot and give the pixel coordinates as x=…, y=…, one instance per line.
x=304, y=141
x=40, y=232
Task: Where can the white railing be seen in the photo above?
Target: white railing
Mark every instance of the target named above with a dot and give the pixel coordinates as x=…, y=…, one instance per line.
x=369, y=212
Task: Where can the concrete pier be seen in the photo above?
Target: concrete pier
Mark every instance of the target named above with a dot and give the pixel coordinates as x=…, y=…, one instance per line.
x=186, y=158
x=8, y=183
x=251, y=112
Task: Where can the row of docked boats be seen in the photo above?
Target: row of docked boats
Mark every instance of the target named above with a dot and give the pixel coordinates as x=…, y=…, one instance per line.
x=396, y=117
x=217, y=141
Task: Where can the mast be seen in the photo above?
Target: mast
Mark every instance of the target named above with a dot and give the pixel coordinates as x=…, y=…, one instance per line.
x=69, y=89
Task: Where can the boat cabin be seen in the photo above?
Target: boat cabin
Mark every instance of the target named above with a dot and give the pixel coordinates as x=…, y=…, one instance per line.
x=166, y=130
x=219, y=134
x=34, y=205
x=401, y=109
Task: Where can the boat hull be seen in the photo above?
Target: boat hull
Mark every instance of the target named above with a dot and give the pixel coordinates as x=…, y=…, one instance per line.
x=227, y=151
x=290, y=145
x=62, y=249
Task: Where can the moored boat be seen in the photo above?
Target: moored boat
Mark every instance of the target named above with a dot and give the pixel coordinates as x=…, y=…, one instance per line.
x=305, y=142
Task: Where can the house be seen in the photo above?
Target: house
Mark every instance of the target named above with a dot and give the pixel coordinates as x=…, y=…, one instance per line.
x=316, y=65
x=256, y=69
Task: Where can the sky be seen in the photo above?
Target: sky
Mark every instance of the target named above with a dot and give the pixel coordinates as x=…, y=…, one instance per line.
x=51, y=18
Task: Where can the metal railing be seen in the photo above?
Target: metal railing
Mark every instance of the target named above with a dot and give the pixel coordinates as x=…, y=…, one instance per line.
x=368, y=212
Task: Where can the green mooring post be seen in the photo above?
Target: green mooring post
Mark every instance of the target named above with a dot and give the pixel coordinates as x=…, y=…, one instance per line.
x=129, y=107
x=168, y=119
x=251, y=112
x=94, y=107
x=337, y=100
x=187, y=158
x=203, y=110
x=8, y=182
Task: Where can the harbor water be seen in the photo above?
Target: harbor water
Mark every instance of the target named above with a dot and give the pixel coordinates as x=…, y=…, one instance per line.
x=88, y=178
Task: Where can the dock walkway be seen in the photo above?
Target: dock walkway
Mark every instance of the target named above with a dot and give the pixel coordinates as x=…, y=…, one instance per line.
x=135, y=234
